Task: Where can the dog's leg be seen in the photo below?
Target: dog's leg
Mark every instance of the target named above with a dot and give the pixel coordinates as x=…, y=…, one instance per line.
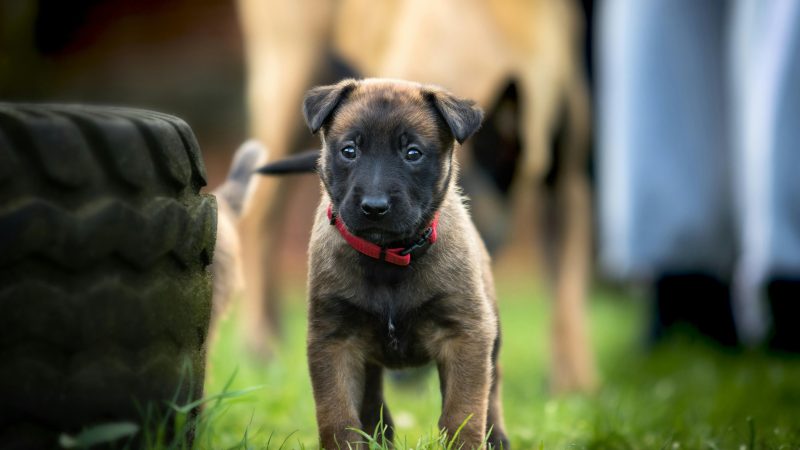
x=284, y=42
x=337, y=379
x=374, y=405
x=464, y=364
x=494, y=416
x=573, y=365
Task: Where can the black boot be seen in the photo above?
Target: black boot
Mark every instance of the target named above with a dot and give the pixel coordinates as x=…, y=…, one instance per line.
x=695, y=302
x=784, y=300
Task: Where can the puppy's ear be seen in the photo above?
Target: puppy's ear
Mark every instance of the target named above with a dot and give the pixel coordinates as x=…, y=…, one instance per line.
x=462, y=116
x=320, y=102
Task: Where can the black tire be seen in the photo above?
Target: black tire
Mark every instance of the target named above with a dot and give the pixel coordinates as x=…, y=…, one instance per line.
x=105, y=241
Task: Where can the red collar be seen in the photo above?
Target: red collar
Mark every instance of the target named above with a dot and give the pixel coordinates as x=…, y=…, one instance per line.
x=400, y=256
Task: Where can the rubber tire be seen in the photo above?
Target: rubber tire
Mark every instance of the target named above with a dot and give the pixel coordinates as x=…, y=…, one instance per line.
x=105, y=243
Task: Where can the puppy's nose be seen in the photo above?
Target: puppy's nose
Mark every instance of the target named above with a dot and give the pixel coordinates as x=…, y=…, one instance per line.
x=374, y=206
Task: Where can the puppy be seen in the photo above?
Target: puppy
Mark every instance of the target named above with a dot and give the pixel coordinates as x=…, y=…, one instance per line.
x=398, y=275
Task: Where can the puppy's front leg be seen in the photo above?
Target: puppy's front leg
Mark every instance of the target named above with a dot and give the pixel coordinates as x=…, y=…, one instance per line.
x=337, y=379
x=465, y=377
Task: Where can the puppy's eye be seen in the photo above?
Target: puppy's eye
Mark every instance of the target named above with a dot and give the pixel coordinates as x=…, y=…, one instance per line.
x=349, y=152
x=413, y=154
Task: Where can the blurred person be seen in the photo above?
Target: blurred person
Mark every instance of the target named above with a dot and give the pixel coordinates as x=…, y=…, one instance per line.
x=698, y=122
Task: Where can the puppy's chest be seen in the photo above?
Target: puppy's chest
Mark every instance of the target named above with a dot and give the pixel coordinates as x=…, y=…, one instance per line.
x=396, y=326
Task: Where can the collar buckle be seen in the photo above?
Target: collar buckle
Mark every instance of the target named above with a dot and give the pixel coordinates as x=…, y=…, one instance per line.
x=423, y=241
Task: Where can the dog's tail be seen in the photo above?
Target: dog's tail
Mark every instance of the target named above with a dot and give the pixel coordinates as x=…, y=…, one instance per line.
x=234, y=190
x=232, y=199
x=303, y=162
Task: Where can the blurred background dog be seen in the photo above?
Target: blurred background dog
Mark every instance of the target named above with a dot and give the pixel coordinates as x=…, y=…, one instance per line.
x=520, y=60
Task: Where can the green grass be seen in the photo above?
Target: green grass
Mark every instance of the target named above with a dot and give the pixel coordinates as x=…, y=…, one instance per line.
x=682, y=395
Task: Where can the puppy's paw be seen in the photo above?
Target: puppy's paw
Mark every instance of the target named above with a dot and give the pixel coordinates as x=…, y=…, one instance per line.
x=498, y=441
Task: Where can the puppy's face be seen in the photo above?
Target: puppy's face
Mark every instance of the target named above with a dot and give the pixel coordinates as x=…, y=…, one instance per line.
x=387, y=152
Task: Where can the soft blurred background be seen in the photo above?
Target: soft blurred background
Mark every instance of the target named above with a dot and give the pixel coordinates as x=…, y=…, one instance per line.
x=692, y=307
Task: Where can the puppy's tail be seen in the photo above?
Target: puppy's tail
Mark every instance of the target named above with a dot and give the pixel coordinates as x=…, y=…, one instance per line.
x=234, y=190
x=303, y=162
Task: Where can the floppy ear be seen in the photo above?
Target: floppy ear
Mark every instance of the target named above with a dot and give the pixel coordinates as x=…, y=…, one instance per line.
x=320, y=102
x=462, y=116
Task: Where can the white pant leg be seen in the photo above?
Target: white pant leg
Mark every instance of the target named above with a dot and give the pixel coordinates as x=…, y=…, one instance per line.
x=765, y=91
x=663, y=151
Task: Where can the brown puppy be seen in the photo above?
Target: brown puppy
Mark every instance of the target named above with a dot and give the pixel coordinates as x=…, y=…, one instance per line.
x=389, y=181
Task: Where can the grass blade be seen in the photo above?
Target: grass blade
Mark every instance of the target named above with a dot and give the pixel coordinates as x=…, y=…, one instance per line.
x=100, y=434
